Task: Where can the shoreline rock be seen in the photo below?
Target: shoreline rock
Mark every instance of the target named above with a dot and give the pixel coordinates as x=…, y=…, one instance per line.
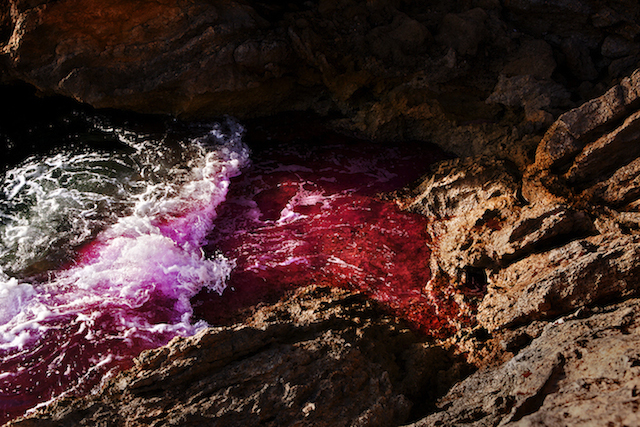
x=477, y=78
x=321, y=357
x=537, y=221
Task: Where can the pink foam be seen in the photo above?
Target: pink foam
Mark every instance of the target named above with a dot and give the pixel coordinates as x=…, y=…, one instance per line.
x=128, y=291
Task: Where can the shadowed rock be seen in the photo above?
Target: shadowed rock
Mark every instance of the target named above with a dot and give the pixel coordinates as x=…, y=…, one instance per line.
x=320, y=358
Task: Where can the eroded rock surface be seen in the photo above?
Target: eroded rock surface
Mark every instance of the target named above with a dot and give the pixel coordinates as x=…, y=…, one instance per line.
x=556, y=244
x=578, y=372
x=320, y=358
x=538, y=221
x=476, y=77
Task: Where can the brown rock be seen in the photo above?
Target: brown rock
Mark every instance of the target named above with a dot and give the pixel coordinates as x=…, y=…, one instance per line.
x=619, y=191
x=568, y=134
x=606, y=154
x=321, y=358
x=529, y=93
x=587, y=147
x=469, y=200
x=616, y=47
x=534, y=58
x=463, y=32
x=552, y=283
x=578, y=372
x=151, y=56
x=579, y=59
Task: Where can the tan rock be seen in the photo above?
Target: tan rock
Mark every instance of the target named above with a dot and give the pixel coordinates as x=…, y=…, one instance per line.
x=581, y=273
x=578, y=372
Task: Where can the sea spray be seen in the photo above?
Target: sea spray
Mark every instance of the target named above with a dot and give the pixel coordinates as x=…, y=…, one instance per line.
x=129, y=227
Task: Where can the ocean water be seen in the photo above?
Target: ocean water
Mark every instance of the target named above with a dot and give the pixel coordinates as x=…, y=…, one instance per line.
x=117, y=236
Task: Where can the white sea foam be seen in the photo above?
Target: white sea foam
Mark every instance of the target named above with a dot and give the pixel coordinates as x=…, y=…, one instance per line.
x=153, y=254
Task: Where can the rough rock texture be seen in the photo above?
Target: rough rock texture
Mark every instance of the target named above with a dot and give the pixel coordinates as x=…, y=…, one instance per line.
x=320, y=358
x=578, y=372
x=538, y=221
x=549, y=253
x=554, y=245
x=475, y=76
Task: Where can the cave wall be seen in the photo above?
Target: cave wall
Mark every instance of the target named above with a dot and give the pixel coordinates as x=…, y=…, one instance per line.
x=476, y=77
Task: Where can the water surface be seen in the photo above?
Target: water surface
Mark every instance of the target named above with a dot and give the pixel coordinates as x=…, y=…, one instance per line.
x=117, y=235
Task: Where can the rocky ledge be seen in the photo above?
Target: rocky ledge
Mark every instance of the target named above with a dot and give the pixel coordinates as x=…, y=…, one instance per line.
x=474, y=76
x=553, y=253
x=538, y=219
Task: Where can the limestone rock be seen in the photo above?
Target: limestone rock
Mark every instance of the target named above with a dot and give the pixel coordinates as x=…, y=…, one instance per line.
x=534, y=58
x=385, y=70
x=616, y=47
x=149, y=56
x=578, y=372
x=529, y=93
x=579, y=59
x=463, y=32
x=482, y=223
x=590, y=149
x=579, y=274
x=469, y=200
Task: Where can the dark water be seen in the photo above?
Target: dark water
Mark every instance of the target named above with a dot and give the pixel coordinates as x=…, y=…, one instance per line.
x=117, y=234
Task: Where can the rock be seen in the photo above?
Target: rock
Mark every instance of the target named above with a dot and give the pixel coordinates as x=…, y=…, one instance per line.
x=170, y=56
x=621, y=190
x=580, y=150
x=482, y=223
x=555, y=17
x=321, y=358
x=606, y=154
x=579, y=59
x=578, y=372
x=529, y=93
x=616, y=47
x=546, y=285
x=469, y=200
x=463, y=32
x=538, y=219
x=374, y=66
x=606, y=17
x=534, y=58
x=566, y=137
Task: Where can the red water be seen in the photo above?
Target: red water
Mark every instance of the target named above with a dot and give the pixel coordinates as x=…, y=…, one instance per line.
x=303, y=213
x=309, y=214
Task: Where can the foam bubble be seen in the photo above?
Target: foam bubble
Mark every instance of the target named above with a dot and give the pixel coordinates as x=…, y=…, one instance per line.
x=130, y=286
x=13, y=297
